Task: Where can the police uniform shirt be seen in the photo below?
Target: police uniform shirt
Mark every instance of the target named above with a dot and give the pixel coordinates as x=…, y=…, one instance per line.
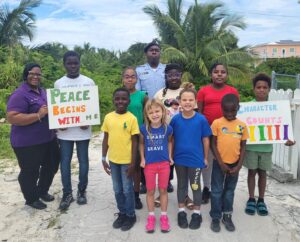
x=149, y=80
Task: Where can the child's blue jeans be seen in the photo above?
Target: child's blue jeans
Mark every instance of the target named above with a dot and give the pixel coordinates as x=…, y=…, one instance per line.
x=222, y=191
x=66, y=153
x=123, y=188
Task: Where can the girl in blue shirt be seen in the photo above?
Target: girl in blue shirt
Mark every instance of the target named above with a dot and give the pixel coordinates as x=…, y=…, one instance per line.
x=191, y=144
x=155, y=150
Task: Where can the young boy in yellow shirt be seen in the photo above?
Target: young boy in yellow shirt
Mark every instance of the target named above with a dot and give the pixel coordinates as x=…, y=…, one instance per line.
x=228, y=145
x=120, y=144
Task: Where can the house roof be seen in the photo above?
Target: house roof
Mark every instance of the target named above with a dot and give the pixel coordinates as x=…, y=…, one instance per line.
x=280, y=42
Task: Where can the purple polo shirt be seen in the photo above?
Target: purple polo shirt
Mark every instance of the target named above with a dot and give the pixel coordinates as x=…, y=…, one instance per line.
x=25, y=100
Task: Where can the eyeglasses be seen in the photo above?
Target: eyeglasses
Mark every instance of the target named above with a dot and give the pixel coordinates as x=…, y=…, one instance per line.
x=173, y=75
x=129, y=77
x=35, y=74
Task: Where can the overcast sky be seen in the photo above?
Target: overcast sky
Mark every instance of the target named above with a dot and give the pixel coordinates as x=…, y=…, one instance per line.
x=116, y=24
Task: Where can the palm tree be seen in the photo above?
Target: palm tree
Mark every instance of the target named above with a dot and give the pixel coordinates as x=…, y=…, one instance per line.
x=205, y=35
x=55, y=49
x=168, y=24
x=134, y=56
x=18, y=23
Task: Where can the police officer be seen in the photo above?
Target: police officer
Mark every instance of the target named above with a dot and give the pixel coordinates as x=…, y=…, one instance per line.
x=151, y=76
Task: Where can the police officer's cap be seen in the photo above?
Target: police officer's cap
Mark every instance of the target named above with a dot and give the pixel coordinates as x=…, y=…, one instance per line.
x=151, y=44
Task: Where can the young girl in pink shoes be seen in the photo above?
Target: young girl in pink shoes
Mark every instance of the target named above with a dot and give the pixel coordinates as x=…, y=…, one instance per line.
x=155, y=150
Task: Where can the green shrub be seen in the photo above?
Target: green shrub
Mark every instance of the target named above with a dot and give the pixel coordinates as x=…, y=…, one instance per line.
x=4, y=94
x=245, y=91
x=6, y=152
x=288, y=66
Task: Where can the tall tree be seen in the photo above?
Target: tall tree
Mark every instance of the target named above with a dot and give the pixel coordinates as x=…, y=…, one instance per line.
x=200, y=37
x=55, y=49
x=168, y=24
x=18, y=23
x=133, y=56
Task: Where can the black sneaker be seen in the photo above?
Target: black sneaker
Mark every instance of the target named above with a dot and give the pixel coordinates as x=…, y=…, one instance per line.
x=215, y=225
x=38, y=204
x=118, y=223
x=228, y=222
x=47, y=197
x=182, y=220
x=81, y=197
x=128, y=223
x=143, y=189
x=170, y=187
x=205, y=195
x=66, y=201
x=138, y=203
x=196, y=221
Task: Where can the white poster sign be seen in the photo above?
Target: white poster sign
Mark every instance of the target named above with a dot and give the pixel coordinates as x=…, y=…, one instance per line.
x=71, y=107
x=267, y=122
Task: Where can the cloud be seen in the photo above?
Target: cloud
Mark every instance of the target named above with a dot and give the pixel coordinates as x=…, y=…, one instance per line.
x=111, y=24
x=276, y=5
x=100, y=32
x=267, y=20
x=116, y=24
x=262, y=22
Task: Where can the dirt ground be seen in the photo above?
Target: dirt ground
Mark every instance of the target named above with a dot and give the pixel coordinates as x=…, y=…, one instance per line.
x=93, y=222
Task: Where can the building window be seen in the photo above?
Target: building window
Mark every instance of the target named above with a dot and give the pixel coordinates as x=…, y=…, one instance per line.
x=264, y=54
x=292, y=50
x=274, y=52
x=283, y=52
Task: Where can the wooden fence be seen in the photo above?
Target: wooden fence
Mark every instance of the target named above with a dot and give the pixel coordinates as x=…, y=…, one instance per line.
x=288, y=158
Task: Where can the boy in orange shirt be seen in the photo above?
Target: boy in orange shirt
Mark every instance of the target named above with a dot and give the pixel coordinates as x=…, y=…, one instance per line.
x=228, y=145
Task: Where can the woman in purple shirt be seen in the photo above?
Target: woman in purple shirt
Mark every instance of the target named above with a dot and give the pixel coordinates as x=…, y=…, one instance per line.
x=35, y=146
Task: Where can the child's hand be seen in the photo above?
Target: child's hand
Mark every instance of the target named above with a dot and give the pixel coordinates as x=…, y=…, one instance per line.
x=290, y=143
x=130, y=171
x=171, y=161
x=206, y=163
x=224, y=167
x=142, y=164
x=106, y=167
x=235, y=170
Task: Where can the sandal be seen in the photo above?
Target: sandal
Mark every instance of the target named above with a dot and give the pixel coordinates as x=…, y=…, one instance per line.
x=262, y=209
x=157, y=202
x=250, y=207
x=189, y=203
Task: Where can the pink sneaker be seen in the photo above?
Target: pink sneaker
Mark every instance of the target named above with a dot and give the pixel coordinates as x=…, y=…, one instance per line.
x=150, y=226
x=164, y=224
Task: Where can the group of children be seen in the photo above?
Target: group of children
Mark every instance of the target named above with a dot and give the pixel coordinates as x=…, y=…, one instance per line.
x=144, y=133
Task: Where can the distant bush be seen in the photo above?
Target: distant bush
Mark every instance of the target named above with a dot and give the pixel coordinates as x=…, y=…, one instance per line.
x=245, y=91
x=290, y=66
x=4, y=94
x=6, y=152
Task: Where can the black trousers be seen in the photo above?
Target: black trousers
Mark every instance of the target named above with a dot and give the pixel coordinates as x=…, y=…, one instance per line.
x=38, y=165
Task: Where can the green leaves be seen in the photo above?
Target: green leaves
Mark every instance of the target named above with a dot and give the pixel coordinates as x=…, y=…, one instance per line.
x=200, y=37
x=99, y=64
x=17, y=23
